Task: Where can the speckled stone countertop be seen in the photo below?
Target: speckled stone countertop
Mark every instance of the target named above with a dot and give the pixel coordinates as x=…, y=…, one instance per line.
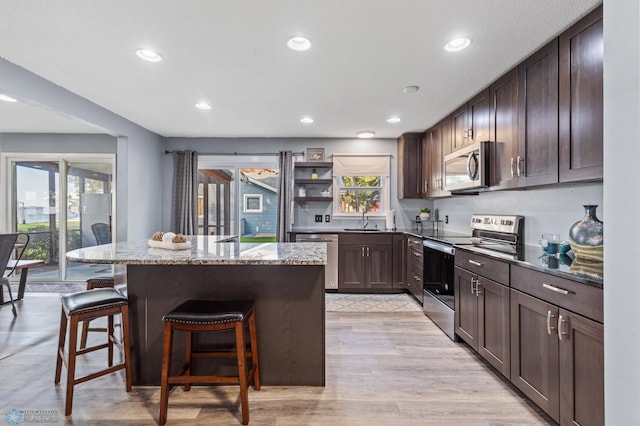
x=205, y=250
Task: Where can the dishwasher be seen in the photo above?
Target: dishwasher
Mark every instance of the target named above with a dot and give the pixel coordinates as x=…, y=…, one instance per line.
x=331, y=269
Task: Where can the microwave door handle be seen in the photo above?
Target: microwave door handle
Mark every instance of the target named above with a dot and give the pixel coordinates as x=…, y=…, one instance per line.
x=473, y=175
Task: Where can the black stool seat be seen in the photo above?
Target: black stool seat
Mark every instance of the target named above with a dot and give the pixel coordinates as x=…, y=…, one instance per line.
x=97, y=282
x=86, y=301
x=210, y=311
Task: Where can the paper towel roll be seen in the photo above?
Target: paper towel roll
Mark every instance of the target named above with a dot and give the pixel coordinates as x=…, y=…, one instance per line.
x=390, y=217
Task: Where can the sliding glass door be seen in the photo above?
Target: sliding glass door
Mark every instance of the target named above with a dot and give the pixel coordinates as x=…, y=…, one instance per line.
x=238, y=196
x=62, y=204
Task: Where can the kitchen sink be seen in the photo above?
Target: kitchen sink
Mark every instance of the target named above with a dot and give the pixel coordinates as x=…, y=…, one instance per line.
x=363, y=230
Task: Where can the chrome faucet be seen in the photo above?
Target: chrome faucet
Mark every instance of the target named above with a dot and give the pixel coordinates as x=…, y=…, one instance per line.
x=365, y=220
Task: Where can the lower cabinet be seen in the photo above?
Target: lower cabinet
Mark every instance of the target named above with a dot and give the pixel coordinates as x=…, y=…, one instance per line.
x=400, y=261
x=557, y=355
x=365, y=261
x=415, y=267
x=482, y=310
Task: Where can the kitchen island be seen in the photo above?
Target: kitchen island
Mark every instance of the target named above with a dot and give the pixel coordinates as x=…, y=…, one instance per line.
x=285, y=280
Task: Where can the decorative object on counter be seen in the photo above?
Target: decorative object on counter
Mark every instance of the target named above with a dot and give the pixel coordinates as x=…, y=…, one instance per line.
x=550, y=244
x=169, y=241
x=588, y=268
x=314, y=174
x=315, y=154
x=425, y=213
x=587, y=236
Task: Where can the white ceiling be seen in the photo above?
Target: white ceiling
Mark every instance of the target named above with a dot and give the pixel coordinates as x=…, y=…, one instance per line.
x=233, y=55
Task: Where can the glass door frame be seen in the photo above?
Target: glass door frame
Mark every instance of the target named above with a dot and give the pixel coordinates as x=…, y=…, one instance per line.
x=7, y=203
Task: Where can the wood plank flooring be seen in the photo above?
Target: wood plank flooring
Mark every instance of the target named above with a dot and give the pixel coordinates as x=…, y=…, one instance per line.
x=392, y=368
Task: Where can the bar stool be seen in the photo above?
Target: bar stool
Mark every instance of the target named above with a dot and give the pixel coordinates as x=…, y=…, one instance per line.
x=88, y=305
x=93, y=283
x=197, y=316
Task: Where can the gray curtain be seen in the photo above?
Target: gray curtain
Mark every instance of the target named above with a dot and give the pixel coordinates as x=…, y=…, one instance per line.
x=285, y=196
x=184, y=208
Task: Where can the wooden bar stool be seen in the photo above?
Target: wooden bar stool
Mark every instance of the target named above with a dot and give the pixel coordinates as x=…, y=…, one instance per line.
x=210, y=316
x=88, y=305
x=93, y=283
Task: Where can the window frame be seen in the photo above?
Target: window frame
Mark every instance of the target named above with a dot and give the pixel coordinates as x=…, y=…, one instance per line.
x=246, y=198
x=384, y=197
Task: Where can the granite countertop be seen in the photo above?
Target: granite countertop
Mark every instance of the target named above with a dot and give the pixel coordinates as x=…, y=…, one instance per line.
x=205, y=250
x=585, y=272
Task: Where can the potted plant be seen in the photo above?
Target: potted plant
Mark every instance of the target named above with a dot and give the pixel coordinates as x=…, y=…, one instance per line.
x=425, y=213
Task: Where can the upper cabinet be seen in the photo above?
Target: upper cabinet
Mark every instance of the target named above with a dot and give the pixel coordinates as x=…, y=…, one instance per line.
x=544, y=119
x=581, y=112
x=470, y=122
x=503, y=96
x=537, y=158
x=437, y=144
x=410, y=182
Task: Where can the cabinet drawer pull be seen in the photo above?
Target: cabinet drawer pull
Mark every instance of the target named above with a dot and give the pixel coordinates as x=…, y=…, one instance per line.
x=550, y=315
x=473, y=285
x=473, y=262
x=518, y=165
x=560, y=328
x=556, y=289
x=478, y=288
x=512, y=162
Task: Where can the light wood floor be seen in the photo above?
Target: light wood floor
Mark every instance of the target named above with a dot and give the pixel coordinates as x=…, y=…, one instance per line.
x=382, y=369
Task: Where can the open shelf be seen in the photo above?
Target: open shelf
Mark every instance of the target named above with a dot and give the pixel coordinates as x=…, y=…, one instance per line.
x=303, y=199
x=313, y=181
x=313, y=164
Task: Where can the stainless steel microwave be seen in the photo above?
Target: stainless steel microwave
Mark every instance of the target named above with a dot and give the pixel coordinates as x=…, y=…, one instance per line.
x=467, y=170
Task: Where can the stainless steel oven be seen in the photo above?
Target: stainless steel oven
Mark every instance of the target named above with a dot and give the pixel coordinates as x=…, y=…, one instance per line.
x=438, y=302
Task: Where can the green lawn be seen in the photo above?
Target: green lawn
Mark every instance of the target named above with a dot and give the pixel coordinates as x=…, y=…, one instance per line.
x=258, y=239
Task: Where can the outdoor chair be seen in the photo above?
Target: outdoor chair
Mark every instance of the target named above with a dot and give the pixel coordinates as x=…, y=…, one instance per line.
x=7, y=247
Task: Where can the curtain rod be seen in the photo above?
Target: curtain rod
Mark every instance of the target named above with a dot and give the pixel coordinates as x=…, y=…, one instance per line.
x=297, y=154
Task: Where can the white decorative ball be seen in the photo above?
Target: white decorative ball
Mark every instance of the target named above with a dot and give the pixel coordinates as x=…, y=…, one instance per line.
x=167, y=237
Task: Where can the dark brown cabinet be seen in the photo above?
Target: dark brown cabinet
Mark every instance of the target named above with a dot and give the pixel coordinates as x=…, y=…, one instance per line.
x=482, y=307
x=436, y=144
x=415, y=267
x=536, y=161
x=410, y=172
x=557, y=352
x=399, y=261
x=470, y=122
x=581, y=99
x=365, y=261
x=503, y=96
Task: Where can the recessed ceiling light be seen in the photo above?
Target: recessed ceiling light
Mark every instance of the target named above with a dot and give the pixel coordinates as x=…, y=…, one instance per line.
x=393, y=120
x=366, y=134
x=299, y=44
x=411, y=89
x=306, y=120
x=457, y=44
x=203, y=106
x=148, y=55
x=7, y=98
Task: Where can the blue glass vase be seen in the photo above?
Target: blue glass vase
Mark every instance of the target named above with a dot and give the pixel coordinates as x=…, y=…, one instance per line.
x=586, y=236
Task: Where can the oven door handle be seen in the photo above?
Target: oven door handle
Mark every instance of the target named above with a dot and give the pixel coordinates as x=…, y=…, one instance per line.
x=438, y=247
